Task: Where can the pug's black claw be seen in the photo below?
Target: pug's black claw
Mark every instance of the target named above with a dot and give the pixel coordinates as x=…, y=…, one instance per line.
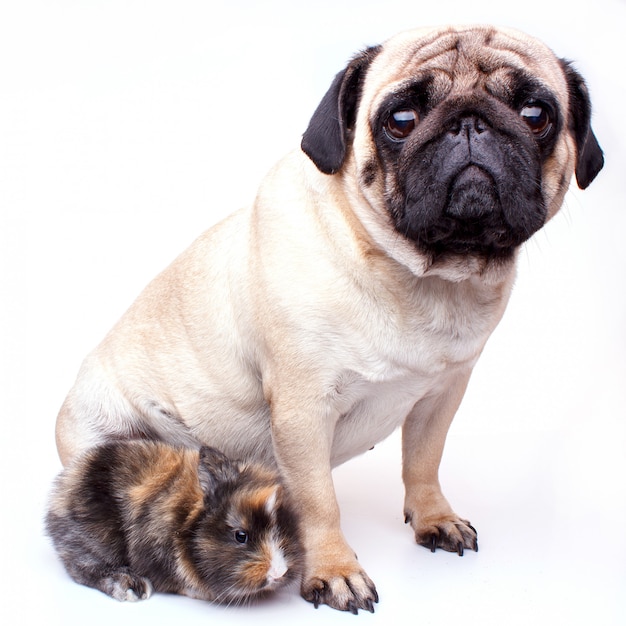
x=316, y=599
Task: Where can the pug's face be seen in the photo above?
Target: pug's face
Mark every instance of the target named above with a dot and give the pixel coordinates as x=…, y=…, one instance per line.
x=463, y=141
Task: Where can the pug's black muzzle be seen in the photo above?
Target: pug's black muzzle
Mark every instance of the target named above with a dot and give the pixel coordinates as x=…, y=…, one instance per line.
x=473, y=188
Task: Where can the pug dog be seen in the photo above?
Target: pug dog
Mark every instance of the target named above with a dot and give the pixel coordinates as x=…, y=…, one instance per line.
x=356, y=293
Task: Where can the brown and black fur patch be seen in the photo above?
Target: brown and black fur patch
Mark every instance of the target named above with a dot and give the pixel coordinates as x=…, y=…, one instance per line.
x=131, y=517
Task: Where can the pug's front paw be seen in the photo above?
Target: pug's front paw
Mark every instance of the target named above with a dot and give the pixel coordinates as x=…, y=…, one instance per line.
x=450, y=533
x=345, y=587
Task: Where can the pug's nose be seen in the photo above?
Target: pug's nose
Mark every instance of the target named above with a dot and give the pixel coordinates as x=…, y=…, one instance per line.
x=468, y=125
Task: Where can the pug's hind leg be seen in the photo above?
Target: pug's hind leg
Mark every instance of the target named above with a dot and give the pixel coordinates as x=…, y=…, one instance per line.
x=424, y=432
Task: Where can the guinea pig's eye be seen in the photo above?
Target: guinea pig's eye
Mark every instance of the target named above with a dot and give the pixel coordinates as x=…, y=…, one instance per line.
x=400, y=124
x=241, y=536
x=537, y=116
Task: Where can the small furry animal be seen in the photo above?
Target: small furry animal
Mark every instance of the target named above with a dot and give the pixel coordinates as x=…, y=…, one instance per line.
x=129, y=518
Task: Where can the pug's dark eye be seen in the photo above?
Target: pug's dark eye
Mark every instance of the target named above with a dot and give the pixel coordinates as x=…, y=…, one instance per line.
x=401, y=124
x=537, y=117
x=241, y=536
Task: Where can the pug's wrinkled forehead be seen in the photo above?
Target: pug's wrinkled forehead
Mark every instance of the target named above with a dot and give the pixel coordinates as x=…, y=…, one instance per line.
x=460, y=60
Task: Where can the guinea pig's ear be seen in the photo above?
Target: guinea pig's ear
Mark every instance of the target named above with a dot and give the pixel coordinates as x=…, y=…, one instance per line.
x=214, y=471
x=589, y=158
x=325, y=140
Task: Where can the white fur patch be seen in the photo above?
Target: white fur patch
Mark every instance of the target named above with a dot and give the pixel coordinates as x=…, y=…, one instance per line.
x=270, y=503
x=121, y=590
x=278, y=566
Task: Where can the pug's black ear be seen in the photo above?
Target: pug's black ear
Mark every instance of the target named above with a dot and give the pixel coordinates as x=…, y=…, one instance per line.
x=589, y=158
x=325, y=140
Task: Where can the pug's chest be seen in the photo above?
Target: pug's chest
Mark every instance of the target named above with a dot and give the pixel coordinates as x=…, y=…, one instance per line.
x=425, y=347
x=369, y=412
x=376, y=392
x=420, y=327
x=371, y=407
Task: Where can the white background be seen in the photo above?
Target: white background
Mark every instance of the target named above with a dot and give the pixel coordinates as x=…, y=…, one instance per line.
x=127, y=128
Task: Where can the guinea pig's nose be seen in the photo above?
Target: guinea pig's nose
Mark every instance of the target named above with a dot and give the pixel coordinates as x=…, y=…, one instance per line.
x=276, y=573
x=278, y=568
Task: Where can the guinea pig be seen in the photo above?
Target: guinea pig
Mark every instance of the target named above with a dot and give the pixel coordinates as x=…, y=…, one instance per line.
x=133, y=517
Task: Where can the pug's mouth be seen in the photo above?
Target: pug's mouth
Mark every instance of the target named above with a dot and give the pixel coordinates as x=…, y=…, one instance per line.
x=472, y=220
